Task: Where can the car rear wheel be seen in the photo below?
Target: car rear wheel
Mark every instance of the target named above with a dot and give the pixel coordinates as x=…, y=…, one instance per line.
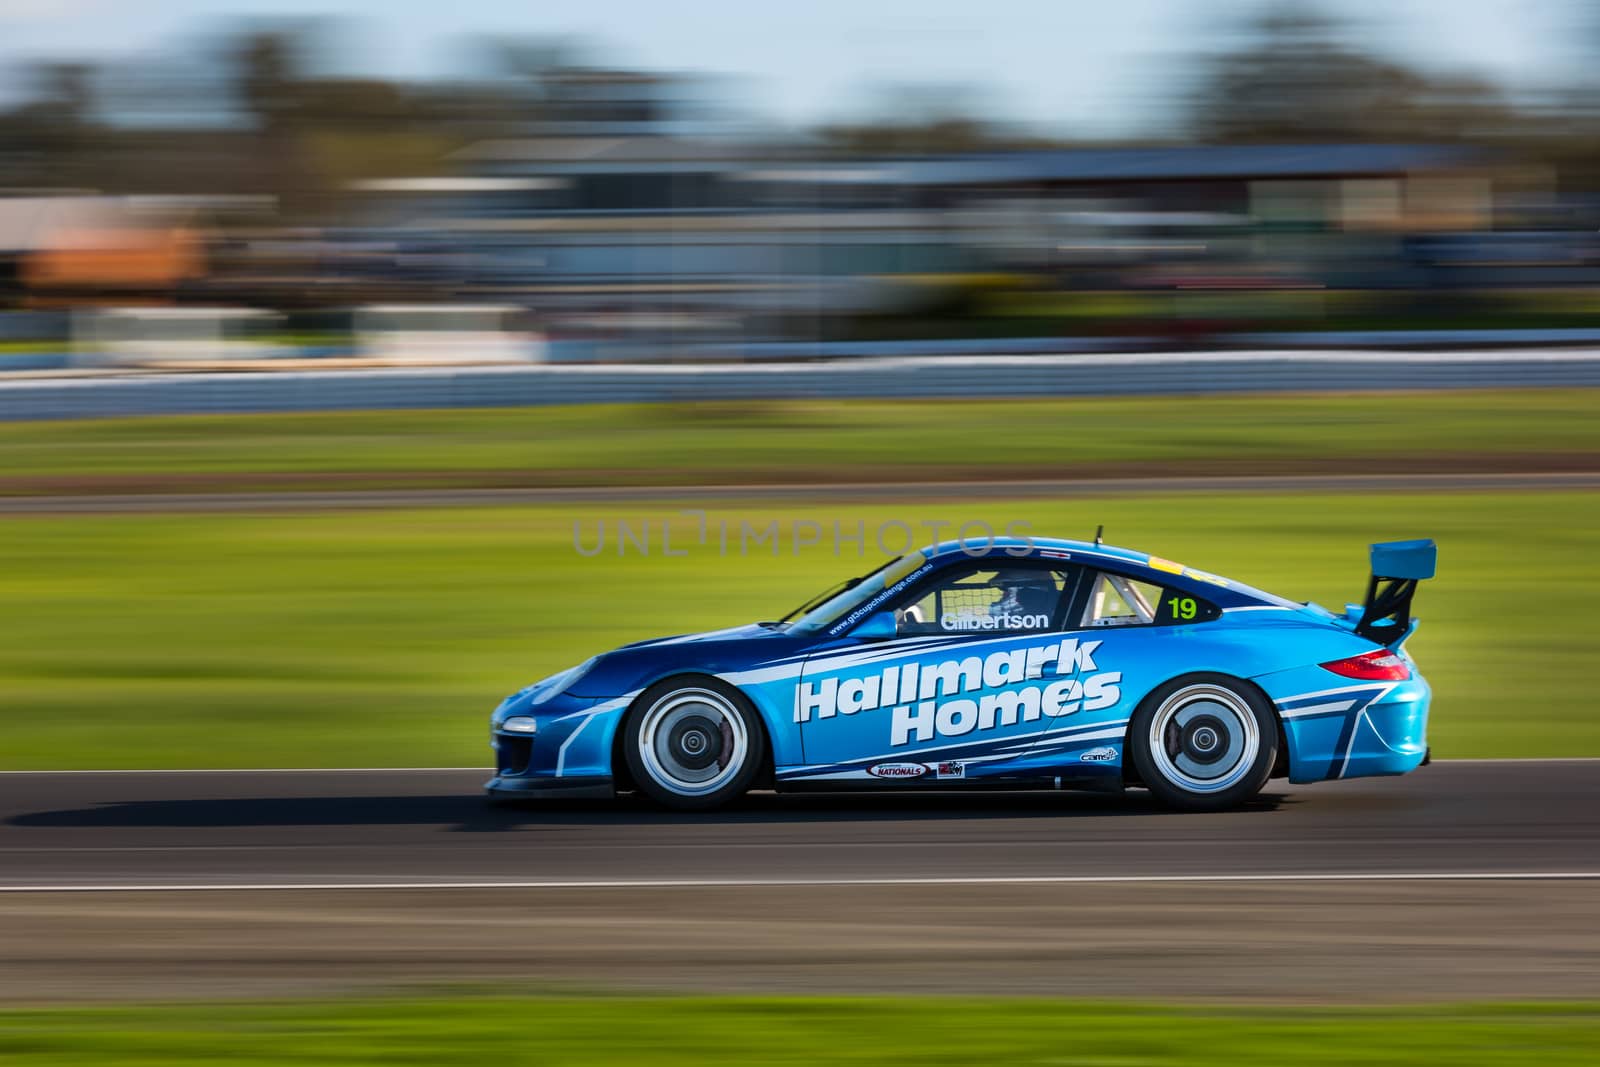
x=1204, y=742
x=694, y=743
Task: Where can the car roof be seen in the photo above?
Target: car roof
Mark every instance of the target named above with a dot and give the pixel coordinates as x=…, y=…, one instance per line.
x=1225, y=591
x=970, y=547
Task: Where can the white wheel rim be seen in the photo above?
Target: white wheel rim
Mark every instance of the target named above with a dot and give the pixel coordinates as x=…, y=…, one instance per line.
x=1204, y=738
x=693, y=741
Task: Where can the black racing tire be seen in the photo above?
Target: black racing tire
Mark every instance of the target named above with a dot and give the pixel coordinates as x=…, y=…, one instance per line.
x=693, y=743
x=1204, y=742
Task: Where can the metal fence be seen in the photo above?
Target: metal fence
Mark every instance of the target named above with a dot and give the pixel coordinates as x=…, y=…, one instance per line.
x=953, y=377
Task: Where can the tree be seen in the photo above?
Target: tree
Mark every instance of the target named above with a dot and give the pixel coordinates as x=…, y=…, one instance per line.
x=267, y=68
x=1297, y=79
x=47, y=139
x=917, y=119
x=315, y=134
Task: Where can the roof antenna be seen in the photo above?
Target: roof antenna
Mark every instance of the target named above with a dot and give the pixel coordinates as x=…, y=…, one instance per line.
x=1099, y=534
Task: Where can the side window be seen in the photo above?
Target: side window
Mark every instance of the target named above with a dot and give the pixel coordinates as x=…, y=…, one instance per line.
x=985, y=599
x=1115, y=600
x=1118, y=601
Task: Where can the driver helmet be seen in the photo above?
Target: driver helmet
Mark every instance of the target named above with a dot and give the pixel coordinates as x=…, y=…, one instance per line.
x=1023, y=593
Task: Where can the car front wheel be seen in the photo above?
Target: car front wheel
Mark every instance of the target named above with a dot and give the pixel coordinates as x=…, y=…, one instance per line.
x=1204, y=742
x=693, y=743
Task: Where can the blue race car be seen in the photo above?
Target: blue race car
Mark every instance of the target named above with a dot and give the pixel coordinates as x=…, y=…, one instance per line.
x=1033, y=664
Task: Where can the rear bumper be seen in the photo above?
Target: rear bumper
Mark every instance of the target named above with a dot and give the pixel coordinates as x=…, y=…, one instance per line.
x=1388, y=736
x=1353, y=730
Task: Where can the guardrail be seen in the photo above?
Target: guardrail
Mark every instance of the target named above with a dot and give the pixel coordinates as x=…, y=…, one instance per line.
x=954, y=377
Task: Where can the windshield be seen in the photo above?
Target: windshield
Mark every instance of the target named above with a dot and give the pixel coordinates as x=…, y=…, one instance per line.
x=860, y=596
x=832, y=591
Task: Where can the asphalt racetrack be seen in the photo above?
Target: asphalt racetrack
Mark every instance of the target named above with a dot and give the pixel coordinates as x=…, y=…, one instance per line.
x=1465, y=880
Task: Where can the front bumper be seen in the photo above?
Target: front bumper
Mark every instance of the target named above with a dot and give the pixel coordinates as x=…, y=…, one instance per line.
x=504, y=787
x=569, y=755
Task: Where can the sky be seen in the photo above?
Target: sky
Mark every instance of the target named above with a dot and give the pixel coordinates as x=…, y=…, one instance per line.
x=1097, y=68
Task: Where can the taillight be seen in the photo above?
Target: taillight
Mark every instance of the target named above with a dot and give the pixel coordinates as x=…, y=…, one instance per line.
x=1379, y=665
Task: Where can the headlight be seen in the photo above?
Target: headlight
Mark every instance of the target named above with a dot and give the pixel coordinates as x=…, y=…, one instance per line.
x=521, y=724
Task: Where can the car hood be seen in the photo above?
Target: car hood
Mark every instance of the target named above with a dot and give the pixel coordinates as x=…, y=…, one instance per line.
x=732, y=633
x=634, y=666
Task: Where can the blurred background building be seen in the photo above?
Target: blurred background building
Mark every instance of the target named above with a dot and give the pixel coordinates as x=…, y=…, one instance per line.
x=1300, y=182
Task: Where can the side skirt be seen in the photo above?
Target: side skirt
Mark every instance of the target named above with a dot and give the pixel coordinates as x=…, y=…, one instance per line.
x=1098, y=783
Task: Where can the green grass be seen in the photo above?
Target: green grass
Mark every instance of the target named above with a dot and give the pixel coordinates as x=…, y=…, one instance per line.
x=696, y=443
x=384, y=638
x=29, y=348
x=793, y=1030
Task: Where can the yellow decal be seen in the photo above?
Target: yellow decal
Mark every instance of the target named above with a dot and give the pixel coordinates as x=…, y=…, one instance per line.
x=1159, y=564
x=902, y=567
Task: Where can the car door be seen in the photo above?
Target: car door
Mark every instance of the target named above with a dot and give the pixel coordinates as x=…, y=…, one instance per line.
x=963, y=682
x=1126, y=635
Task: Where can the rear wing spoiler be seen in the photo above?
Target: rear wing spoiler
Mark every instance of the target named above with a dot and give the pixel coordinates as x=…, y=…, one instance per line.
x=1397, y=567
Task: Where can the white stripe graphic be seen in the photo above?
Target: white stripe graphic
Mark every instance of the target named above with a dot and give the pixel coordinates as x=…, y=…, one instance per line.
x=1340, y=689
x=1097, y=730
x=1317, y=709
x=1437, y=761
x=955, y=644
x=757, y=675
x=561, y=753
x=777, y=883
x=1042, y=748
x=598, y=709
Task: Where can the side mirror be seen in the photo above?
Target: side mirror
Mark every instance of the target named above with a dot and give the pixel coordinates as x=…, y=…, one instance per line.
x=876, y=627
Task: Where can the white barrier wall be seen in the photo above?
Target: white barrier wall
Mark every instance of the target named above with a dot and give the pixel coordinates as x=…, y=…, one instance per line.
x=113, y=336
x=446, y=333
x=512, y=386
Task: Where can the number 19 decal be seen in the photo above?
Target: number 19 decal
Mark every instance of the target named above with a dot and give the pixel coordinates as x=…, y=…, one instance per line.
x=1184, y=608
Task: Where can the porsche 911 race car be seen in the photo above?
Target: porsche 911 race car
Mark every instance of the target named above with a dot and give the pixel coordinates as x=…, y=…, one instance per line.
x=1038, y=664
